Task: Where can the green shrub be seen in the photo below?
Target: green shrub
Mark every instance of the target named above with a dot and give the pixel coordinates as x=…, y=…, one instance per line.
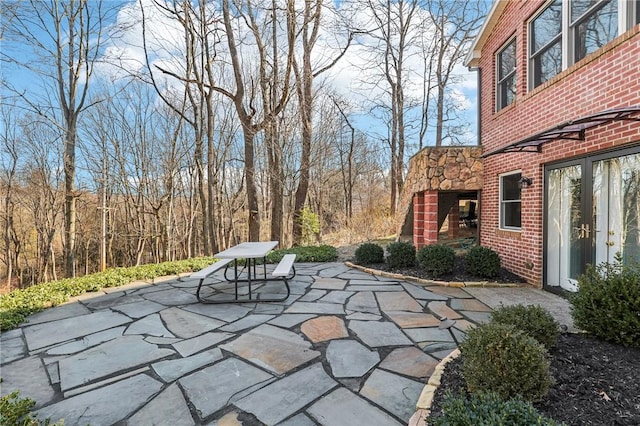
x=16, y=305
x=401, y=254
x=437, y=259
x=16, y=411
x=500, y=358
x=369, y=253
x=323, y=253
x=482, y=262
x=532, y=320
x=607, y=303
x=487, y=408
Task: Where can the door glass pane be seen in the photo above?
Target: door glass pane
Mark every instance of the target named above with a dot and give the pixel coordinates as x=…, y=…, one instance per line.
x=616, y=209
x=565, y=230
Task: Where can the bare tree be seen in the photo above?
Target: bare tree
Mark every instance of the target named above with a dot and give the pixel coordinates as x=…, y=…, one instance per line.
x=305, y=75
x=66, y=36
x=452, y=26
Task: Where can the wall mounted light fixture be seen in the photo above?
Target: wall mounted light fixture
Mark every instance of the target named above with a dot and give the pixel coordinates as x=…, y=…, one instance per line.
x=525, y=182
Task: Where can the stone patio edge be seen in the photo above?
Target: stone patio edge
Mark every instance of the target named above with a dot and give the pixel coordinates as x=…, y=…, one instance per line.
x=423, y=281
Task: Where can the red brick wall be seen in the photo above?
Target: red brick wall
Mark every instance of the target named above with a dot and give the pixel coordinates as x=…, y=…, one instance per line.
x=608, y=78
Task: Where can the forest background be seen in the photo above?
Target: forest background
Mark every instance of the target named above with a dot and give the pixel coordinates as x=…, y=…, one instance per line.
x=144, y=131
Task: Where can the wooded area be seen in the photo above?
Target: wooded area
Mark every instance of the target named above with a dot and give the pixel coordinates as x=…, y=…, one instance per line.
x=136, y=132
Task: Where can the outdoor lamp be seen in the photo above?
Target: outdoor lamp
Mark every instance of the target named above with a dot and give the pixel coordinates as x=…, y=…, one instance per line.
x=525, y=182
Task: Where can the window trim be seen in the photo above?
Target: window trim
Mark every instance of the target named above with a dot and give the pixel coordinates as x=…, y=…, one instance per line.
x=502, y=202
x=531, y=56
x=628, y=17
x=499, y=82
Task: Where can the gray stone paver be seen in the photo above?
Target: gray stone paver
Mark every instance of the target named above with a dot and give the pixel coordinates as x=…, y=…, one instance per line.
x=103, y=360
x=49, y=333
x=394, y=393
x=186, y=324
x=230, y=377
x=173, y=369
x=12, y=349
x=282, y=398
x=376, y=334
x=104, y=406
x=204, y=341
x=29, y=376
x=151, y=354
x=87, y=342
x=168, y=408
x=349, y=358
x=343, y=408
x=150, y=325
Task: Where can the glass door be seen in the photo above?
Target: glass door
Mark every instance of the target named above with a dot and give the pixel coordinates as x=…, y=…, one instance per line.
x=616, y=209
x=567, y=227
x=592, y=215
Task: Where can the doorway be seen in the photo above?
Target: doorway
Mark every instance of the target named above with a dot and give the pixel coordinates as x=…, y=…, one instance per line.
x=592, y=215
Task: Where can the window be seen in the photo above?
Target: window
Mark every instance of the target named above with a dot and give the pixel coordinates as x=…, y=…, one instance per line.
x=594, y=23
x=637, y=6
x=546, y=44
x=506, y=85
x=510, y=211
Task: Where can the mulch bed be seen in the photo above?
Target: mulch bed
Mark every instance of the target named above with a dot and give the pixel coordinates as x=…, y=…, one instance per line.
x=459, y=273
x=596, y=383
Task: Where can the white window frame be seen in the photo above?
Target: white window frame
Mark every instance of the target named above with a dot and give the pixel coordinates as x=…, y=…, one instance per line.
x=514, y=73
x=502, y=202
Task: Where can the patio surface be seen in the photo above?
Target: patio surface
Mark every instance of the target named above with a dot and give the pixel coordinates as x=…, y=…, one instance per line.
x=346, y=348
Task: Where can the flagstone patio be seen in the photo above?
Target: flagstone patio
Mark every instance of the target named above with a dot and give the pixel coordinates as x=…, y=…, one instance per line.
x=345, y=348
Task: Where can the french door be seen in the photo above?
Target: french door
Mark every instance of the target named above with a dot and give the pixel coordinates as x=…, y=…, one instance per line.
x=592, y=215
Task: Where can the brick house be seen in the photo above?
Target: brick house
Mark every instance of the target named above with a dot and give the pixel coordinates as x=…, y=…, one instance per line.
x=559, y=127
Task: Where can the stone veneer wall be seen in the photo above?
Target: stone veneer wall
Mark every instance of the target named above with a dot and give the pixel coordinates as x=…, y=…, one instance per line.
x=432, y=170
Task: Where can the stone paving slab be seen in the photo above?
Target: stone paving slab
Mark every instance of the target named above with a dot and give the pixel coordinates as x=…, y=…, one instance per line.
x=284, y=397
x=29, y=376
x=375, y=288
x=104, y=406
x=168, y=408
x=324, y=328
x=413, y=319
x=376, y=334
x=343, y=408
x=315, y=308
x=67, y=310
x=290, y=320
x=173, y=369
x=363, y=301
x=329, y=283
x=186, y=324
x=12, y=349
x=349, y=358
x=227, y=313
x=396, y=394
x=139, y=309
x=272, y=348
x=108, y=358
x=212, y=388
x=49, y=333
x=397, y=301
x=410, y=361
x=150, y=325
x=87, y=342
x=204, y=341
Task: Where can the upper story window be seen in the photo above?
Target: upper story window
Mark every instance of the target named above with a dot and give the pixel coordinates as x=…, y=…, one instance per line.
x=566, y=31
x=546, y=44
x=510, y=204
x=594, y=23
x=506, y=75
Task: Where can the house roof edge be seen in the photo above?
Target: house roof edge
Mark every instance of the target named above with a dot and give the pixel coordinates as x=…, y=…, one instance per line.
x=473, y=57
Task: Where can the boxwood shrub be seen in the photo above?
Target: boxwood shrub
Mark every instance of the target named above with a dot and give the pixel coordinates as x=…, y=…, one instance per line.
x=607, y=303
x=487, y=408
x=482, y=262
x=437, y=259
x=401, y=254
x=323, y=253
x=500, y=358
x=369, y=253
x=532, y=320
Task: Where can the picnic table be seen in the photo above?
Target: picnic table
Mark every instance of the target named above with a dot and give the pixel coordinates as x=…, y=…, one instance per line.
x=250, y=252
